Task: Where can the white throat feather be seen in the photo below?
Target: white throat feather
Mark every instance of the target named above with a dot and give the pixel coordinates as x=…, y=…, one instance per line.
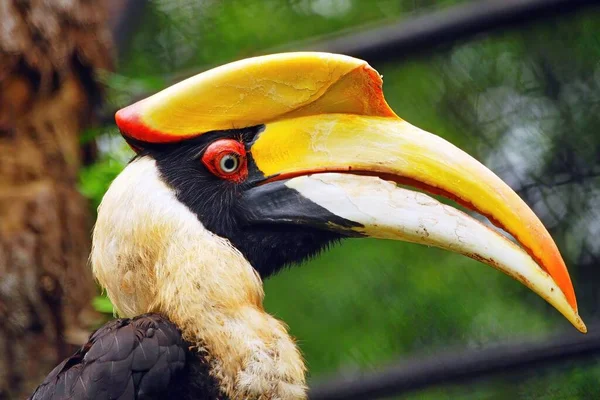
x=152, y=254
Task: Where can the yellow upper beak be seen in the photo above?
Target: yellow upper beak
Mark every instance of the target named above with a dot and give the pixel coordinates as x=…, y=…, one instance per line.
x=326, y=113
x=256, y=91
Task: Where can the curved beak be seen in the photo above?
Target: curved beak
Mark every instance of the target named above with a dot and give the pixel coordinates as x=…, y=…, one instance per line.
x=333, y=154
x=351, y=166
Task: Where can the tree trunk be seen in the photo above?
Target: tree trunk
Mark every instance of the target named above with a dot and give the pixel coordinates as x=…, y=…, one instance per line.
x=49, y=52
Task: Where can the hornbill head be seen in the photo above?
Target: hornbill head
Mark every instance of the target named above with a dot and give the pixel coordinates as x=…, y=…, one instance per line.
x=281, y=155
x=262, y=163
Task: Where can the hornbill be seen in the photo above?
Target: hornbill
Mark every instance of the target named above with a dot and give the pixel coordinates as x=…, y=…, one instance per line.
x=247, y=168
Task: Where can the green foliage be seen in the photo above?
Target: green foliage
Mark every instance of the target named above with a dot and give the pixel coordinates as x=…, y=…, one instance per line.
x=102, y=304
x=95, y=180
x=179, y=35
x=366, y=303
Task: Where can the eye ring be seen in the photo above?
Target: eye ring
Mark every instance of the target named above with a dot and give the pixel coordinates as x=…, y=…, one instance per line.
x=226, y=159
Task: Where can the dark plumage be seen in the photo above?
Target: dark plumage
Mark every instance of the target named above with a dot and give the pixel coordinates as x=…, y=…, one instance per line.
x=140, y=358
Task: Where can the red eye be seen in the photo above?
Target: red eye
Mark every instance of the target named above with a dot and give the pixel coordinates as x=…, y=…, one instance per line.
x=226, y=158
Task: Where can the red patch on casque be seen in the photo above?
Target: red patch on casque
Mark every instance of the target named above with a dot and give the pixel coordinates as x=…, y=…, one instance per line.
x=130, y=124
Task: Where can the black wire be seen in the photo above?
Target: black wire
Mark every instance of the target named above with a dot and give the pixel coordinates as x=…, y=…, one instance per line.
x=126, y=17
x=427, y=33
x=447, y=26
x=461, y=367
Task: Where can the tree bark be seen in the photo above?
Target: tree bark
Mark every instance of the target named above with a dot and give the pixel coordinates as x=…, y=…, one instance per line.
x=49, y=53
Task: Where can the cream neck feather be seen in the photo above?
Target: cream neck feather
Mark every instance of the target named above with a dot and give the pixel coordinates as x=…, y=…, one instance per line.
x=152, y=254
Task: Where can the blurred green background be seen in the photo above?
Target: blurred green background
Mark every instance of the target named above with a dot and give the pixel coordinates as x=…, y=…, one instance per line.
x=525, y=102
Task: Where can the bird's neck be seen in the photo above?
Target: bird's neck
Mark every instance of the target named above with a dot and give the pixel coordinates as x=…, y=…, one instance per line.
x=153, y=255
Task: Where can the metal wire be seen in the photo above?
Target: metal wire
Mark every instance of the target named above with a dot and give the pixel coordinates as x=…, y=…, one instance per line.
x=460, y=367
x=423, y=34
x=426, y=33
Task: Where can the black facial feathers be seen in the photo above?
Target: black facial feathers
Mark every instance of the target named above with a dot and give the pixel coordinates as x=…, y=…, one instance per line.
x=217, y=203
